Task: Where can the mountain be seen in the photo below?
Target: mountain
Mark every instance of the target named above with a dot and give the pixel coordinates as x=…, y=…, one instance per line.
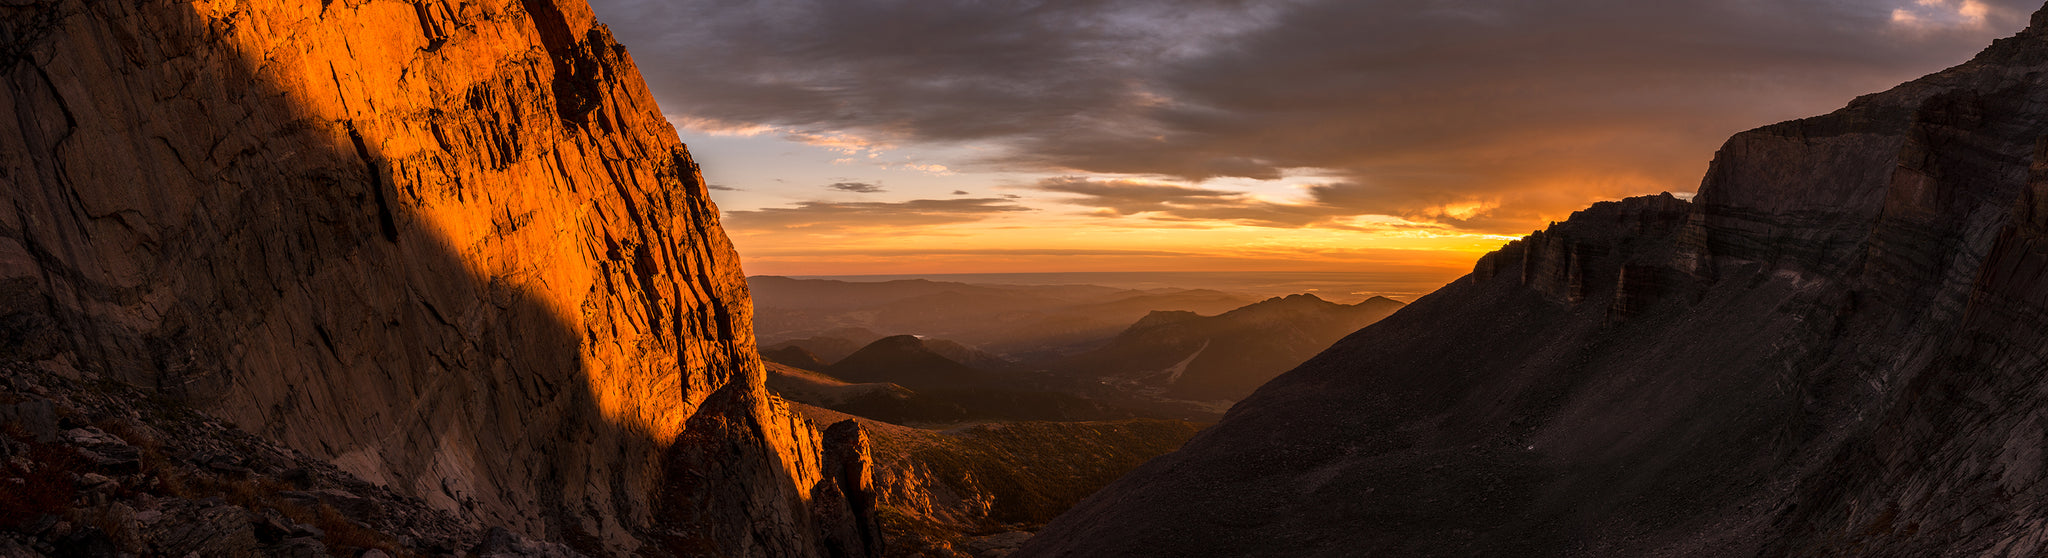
x=970, y=356
x=903, y=380
x=827, y=294
x=906, y=361
x=881, y=401
x=830, y=345
x=450, y=249
x=793, y=356
x=978, y=490
x=1835, y=349
x=1224, y=357
x=1017, y=322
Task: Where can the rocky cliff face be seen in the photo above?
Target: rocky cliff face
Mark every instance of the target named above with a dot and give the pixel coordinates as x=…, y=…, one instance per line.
x=1835, y=349
x=448, y=245
x=976, y=491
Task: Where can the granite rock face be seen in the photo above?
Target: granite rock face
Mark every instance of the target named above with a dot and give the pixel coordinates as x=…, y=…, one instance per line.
x=450, y=246
x=1836, y=348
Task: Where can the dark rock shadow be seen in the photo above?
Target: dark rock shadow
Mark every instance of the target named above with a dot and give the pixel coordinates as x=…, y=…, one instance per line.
x=391, y=235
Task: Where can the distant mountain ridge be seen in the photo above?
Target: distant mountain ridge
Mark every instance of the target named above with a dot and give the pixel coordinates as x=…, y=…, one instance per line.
x=907, y=380
x=1226, y=356
x=1836, y=349
x=1021, y=322
x=905, y=360
x=829, y=345
x=1173, y=363
x=794, y=356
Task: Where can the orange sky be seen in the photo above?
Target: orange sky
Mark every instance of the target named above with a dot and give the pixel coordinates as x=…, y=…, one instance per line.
x=1214, y=135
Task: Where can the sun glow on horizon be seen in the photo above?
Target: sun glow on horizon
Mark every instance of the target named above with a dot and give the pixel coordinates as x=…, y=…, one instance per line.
x=1239, y=135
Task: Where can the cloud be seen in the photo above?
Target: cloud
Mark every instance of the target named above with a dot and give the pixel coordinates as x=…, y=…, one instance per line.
x=1486, y=114
x=722, y=188
x=1393, y=271
x=840, y=141
x=716, y=127
x=1934, y=15
x=855, y=187
x=1327, y=206
x=826, y=216
x=928, y=168
x=1131, y=197
x=961, y=193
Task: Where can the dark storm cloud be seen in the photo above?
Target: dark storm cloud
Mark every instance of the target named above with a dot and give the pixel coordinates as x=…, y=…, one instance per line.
x=923, y=70
x=825, y=216
x=1421, y=107
x=855, y=187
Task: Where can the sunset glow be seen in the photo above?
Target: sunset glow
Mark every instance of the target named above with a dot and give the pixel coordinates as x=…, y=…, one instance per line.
x=1324, y=136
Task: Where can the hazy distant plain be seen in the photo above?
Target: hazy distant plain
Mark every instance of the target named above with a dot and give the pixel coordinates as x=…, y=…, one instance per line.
x=1336, y=286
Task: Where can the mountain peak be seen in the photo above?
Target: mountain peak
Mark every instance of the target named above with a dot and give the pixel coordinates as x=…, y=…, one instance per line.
x=301, y=136
x=1619, y=383
x=905, y=360
x=794, y=356
x=897, y=343
x=1162, y=317
x=1380, y=301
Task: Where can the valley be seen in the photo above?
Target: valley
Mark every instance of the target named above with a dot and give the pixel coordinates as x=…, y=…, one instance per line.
x=441, y=278
x=1072, y=350
x=975, y=450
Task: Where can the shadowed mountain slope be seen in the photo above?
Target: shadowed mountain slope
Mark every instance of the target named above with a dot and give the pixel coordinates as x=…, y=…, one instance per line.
x=829, y=345
x=1225, y=357
x=1837, y=349
x=793, y=356
x=880, y=401
x=940, y=390
x=905, y=360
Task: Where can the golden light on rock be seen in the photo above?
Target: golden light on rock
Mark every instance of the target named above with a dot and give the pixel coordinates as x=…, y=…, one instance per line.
x=452, y=247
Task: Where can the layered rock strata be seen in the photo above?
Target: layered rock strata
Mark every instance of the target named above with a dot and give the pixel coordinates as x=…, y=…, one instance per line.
x=1836, y=349
x=450, y=246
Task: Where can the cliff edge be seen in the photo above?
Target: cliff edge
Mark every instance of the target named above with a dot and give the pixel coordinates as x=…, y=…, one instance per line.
x=1835, y=349
x=449, y=246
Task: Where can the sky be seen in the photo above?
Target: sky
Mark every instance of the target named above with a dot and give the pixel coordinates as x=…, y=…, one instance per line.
x=846, y=137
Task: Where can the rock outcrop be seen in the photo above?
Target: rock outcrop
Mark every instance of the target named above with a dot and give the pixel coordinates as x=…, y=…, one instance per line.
x=1836, y=349
x=977, y=491
x=449, y=246
x=100, y=468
